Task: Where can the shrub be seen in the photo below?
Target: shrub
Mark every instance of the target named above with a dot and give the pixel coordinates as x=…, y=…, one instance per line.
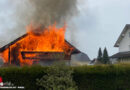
x=23, y=76
x=100, y=77
x=59, y=77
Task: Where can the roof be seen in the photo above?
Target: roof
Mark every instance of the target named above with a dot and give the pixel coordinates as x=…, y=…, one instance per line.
x=93, y=61
x=75, y=51
x=122, y=35
x=81, y=57
x=121, y=55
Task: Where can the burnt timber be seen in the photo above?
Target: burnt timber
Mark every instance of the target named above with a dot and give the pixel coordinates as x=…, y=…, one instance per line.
x=44, y=55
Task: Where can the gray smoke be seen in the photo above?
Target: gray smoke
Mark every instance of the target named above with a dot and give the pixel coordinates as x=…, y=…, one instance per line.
x=49, y=11
x=45, y=12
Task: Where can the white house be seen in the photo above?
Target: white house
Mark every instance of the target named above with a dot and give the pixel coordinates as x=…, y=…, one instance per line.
x=123, y=43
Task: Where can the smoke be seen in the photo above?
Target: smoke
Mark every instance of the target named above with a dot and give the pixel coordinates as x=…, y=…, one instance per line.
x=43, y=13
x=49, y=11
x=46, y=12
x=20, y=13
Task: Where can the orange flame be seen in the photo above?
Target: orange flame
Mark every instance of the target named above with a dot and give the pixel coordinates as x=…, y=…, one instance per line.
x=51, y=39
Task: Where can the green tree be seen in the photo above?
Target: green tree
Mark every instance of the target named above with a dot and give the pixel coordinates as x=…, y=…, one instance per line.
x=105, y=57
x=99, y=58
x=59, y=77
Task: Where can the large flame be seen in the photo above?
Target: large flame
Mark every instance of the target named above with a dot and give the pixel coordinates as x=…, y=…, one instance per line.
x=51, y=39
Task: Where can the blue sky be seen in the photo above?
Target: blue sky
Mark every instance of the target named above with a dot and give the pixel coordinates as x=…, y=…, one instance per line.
x=98, y=24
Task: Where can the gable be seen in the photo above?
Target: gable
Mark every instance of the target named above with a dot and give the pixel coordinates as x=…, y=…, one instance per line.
x=122, y=35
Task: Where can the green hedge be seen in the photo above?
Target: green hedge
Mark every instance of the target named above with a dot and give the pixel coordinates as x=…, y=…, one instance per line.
x=25, y=76
x=105, y=77
x=108, y=77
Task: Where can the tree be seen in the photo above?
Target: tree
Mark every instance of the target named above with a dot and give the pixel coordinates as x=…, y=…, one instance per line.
x=105, y=57
x=59, y=77
x=99, y=58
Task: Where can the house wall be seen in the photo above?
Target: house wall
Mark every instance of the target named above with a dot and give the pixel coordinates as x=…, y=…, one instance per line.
x=1, y=62
x=125, y=42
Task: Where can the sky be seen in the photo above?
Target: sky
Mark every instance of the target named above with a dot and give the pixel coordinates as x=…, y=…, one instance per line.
x=98, y=24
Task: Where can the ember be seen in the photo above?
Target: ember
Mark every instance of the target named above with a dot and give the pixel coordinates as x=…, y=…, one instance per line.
x=51, y=39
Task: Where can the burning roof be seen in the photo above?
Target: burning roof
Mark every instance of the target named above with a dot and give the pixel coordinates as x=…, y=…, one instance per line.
x=75, y=50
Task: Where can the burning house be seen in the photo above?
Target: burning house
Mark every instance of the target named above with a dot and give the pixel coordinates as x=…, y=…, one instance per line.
x=44, y=46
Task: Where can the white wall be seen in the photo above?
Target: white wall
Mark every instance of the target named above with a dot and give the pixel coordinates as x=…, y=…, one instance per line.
x=125, y=42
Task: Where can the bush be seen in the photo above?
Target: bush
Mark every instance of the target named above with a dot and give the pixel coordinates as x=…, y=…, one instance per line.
x=103, y=77
x=23, y=76
x=59, y=77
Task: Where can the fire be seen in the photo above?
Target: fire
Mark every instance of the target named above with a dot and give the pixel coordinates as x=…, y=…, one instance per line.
x=51, y=39
x=5, y=56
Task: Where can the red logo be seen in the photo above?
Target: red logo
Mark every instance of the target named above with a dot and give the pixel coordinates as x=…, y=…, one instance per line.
x=1, y=79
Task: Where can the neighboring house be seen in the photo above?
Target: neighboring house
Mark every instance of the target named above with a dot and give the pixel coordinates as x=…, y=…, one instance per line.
x=80, y=59
x=93, y=62
x=123, y=43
